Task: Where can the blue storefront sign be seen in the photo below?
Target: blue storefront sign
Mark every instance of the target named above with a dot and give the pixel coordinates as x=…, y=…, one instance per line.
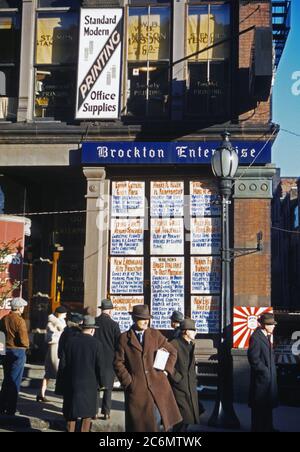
x=170, y=153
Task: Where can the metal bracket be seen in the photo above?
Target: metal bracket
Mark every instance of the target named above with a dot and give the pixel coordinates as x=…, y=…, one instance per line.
x=238, y=252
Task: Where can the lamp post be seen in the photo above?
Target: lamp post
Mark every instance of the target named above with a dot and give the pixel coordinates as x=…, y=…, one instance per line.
x=224, y=166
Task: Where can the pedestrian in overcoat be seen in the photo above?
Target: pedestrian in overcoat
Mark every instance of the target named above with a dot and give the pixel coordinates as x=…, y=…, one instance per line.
x=108, y=334
x=184, y=379
x=80, y=376
x=149, y=398
x=263, y=394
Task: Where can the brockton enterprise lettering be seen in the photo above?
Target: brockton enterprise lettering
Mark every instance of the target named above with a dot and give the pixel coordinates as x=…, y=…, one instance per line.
x=152, y=441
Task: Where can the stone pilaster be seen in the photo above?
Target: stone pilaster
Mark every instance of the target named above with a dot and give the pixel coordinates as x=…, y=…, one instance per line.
x=97, y=238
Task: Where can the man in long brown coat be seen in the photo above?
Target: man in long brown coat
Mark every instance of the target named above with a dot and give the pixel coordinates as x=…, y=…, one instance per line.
x=149, y=399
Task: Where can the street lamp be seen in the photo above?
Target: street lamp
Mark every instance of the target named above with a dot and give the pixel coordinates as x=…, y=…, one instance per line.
x=224, y=166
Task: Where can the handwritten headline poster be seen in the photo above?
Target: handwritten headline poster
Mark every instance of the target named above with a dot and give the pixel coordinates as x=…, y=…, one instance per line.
x=127, y=236
x=205, y=274
x=204, y=200
x=205, y=311
x=167, y=283
x=128, y=199
x=126, y=275
x=167, y=236
x=205, y=235
x=167, y=199
x=122, y=306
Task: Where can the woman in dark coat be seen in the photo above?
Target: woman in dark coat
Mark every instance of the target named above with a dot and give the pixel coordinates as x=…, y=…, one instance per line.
x=80, y=376
x=263, y=395
x=184, y=379
x=148, y=394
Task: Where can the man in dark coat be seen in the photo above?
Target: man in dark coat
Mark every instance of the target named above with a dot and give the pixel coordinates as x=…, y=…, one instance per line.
x=72, y=329
x=80, y=376
x=149, y=399
x=108, y=334
x=184, y=379
x=175, y=318
x=263, y=396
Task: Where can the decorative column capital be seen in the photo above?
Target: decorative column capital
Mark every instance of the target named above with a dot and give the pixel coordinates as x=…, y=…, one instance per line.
x=254, y=182
x=94, y=176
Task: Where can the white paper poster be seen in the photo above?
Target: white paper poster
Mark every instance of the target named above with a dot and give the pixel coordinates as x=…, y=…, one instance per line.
x=128, y=199
x=204, y=199
x=122, y=307
x=167, y=236
x=99, y=63
x=126, y=275
x=205, y=310
x=127, y=236
x=167, y=289
x=205, y=235
x=167, y=199
x=205, y=275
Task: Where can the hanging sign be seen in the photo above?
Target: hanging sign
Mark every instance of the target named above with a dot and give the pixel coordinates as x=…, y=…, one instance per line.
x=205, y=275
x=245, y=323
x=167, y=289
x=205, y=310
x=99, y=63
x=205, y=235
x=122, y=306
x=167, y=236
x=126, y=275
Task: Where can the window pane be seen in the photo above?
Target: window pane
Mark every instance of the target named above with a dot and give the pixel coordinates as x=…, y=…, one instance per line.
x=2, y=201
x=148, y=34
x=55, y=93
x=155, y=102
x=57, y=37
x=8, y=82
x=208, y=25
x=9, y=37
x=10, y=3
x=208, y=90
x=58, y=3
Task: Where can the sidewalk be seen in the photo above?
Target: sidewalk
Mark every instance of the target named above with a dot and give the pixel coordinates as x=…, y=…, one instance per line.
x=47, y=417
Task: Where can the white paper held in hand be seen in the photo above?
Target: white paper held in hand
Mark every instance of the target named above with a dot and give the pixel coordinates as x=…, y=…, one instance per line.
x=161, y=359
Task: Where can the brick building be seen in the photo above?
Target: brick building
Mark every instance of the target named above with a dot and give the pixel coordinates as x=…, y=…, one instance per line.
x=187, y=70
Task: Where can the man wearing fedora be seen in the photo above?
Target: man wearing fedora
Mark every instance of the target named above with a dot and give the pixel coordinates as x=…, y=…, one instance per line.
x=263, y=394
x=149, y=399
x=17, y=341
x=175, y=318
x=108, y=333
x=79, y=376
x=184, y=379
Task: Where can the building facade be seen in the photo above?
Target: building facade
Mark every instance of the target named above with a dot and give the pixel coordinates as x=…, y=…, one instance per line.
x=123, y=180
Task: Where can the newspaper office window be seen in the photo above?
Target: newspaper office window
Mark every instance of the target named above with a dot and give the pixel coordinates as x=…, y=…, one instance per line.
x=9, y=60
x=148, y=50
x=208, y=66
x=55, y=64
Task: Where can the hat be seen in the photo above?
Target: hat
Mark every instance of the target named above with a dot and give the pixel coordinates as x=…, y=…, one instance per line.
x=106, y=304
x=61, y=310
x=177, y=316
x=267, y=319
x=141, y=311
x=17, y=303
x=88, y=322
x=75, y=317
x=188, y=324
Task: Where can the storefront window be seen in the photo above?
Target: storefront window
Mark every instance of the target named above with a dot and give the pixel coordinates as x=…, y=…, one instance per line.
x=10, y=3
x=55, y=63
x=208, y=49
x=9, y=59
x=148, y=48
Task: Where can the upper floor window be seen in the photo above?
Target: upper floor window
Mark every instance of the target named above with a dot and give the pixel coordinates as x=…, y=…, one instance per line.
x=59, y=3
x=55, y=60
x=148, y=56
x=296, y=217
x=10, y=31
x=208, y=50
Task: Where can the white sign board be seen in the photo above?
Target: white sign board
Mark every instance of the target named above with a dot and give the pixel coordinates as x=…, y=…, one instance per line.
x=127, y=236
x=128, y=199
x=126, y=275
x=167, y=289
x=205, y=235
x=99, y=63
x=167, y=236
x=205, y=311
x=122, y=306
x=205, y=275
x=167, y=199
x=204, y=199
